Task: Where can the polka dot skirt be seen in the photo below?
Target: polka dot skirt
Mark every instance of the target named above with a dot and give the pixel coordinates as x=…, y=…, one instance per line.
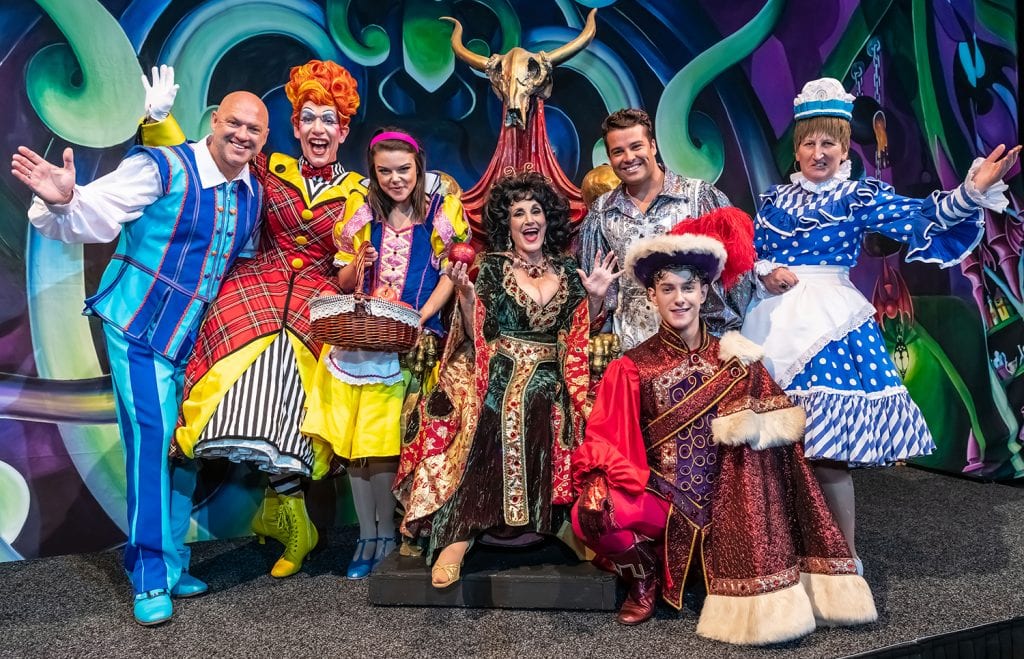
x=858, y=410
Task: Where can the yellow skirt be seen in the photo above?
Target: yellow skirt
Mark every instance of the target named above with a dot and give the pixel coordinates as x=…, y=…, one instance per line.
x=357, y=421
x=206, y=396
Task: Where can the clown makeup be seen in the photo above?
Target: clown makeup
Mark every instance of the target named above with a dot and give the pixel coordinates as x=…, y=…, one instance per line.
x=320, y=133
x=328, y=117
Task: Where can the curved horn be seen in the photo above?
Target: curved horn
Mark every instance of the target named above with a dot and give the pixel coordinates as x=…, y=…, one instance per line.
x=478, y=62
x=563, y=53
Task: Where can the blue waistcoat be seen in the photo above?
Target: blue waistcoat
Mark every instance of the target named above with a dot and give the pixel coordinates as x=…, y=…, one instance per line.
x=170, y=262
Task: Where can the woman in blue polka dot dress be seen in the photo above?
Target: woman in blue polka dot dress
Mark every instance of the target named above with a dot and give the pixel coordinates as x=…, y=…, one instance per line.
x=821, y=342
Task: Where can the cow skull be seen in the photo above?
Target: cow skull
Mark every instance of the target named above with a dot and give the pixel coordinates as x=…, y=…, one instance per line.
x=519, y=74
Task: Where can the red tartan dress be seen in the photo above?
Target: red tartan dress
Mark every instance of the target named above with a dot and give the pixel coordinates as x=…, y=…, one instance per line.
x=246, y=383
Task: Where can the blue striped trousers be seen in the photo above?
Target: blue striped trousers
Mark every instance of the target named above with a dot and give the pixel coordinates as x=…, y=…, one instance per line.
x=147, y=392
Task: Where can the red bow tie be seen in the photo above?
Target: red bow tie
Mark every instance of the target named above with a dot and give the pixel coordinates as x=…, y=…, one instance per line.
x=325, y=173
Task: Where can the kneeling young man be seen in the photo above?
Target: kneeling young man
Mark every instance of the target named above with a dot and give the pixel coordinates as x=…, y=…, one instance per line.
x=692, y=460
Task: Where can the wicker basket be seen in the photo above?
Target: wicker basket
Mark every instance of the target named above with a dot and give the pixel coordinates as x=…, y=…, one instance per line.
x=357, y=321
x=363, y=322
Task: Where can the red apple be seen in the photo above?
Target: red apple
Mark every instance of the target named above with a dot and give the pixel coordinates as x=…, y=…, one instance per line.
x=462, y=253
x=385, y=292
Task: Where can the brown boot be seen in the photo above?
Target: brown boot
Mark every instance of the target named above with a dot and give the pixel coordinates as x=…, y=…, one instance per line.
x=638, y=565
x=603, y=563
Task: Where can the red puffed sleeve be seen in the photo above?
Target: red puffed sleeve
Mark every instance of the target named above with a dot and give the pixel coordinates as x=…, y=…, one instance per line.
x=614, y=444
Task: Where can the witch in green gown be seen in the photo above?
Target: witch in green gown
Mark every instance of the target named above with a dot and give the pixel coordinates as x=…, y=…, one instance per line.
x=490, y=447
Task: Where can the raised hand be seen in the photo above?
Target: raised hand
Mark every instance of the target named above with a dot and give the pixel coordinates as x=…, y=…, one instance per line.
x=994, y=168
x=52, y=184
x=779, y=280
x=160, y=93
x=601, y=276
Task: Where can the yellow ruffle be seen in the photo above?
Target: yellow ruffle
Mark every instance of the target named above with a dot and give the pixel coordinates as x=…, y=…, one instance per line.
x=162, y=133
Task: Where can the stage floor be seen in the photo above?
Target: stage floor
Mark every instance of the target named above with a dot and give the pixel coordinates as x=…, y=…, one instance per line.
x=942, y=554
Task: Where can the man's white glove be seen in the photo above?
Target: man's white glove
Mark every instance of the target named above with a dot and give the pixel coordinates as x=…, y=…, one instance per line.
x=160, y=94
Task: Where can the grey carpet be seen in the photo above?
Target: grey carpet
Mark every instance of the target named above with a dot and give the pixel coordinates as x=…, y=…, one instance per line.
x=941, y=554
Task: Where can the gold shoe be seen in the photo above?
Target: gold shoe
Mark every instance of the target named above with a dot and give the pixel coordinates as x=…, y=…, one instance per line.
x=266, y=523
x=450, y=573
x=409, y=548
x=302, y=535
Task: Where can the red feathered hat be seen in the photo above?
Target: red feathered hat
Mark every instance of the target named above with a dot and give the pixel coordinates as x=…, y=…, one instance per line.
x=719, y=243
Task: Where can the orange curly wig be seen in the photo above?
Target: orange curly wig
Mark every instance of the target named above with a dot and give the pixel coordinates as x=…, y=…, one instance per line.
x=324, y=83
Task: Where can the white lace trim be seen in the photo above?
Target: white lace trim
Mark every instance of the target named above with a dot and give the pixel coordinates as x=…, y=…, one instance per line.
x=823, y=89
x=333, y=305
x=359, y=367
x=263, y=454
x=764, y=267
x=869, y=395
x=386, y=309
x=342, y=376
x=843, y=174
x=839, y=332
x=994, y=198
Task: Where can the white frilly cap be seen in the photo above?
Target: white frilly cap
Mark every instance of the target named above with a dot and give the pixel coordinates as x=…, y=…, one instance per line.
x=824, y=97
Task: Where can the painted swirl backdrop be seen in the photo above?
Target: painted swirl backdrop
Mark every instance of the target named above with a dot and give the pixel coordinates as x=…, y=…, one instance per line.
x=719, y=76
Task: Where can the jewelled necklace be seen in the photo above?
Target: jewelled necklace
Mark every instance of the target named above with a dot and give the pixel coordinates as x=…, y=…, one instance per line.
x=533, y=270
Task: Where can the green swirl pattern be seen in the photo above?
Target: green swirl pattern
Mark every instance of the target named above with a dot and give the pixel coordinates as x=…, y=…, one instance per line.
x=15, y=495
x=675, y=127
x=203, y=47
x=104, y=108
x=369, y=49
x=55, y=281
x=508, y=25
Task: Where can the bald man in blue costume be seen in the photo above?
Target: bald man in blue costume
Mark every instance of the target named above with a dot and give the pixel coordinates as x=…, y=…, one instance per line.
x=181, y=215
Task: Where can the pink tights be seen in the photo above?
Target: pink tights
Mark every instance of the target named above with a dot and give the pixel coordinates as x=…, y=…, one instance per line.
x=643, y=514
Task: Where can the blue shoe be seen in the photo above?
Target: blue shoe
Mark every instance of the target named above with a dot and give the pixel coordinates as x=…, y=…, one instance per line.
x=188, y=586
x=153, y=607
x=360, y=567
x=384, y=547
